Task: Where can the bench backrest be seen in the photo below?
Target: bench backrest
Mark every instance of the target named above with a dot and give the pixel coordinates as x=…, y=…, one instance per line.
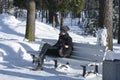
x=49, y=41
x=89, y=52
x=83, y=51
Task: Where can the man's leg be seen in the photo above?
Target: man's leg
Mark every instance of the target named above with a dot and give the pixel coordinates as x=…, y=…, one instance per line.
x=42, y=56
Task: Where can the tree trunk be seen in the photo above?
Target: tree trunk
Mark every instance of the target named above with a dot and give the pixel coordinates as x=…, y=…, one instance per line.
x=47, y=16
x=30, y=25
x=0, y=9
x=62, y=20
x=119, y=32
x=53, y=23
x=101, y=17
x=119, y=26
x=105, y=20
x=56, y=20
x=51, y=16
x=108, y=23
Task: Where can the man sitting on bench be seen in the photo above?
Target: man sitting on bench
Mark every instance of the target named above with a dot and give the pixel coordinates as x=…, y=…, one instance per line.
x=63, y=48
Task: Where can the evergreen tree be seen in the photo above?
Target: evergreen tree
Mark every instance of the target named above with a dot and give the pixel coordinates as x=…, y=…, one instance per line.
x=72, y=5
x=64, y=9
x=20, y=3
x=76, y=6
x=53, y=9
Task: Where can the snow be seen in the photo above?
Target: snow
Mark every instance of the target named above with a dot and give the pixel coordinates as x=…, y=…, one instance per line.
x=16, y=63
x=102, y=37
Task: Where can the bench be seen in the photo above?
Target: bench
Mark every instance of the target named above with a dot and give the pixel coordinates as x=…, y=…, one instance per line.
x=86, y=55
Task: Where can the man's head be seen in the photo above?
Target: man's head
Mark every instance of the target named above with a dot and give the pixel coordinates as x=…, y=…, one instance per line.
x=63, y=32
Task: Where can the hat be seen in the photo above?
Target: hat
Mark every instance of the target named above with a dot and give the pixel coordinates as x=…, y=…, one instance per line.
x=64, y=28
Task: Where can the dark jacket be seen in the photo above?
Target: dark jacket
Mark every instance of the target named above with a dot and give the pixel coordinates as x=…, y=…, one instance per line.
x=62, y=42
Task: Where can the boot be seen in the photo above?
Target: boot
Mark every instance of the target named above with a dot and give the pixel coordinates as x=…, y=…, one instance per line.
x=41, y=57
x=40, y=63
x=39, y=67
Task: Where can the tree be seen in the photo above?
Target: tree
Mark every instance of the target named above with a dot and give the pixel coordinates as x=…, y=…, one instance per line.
x=106, y=21
x=1, y=6
x=4, y=4
x=101, y=17
x=30, y=5
x=119, y=26
x=20, y=3
x=19, y=6
x=72, y=5
x=53, y=9
x=76, y=6
x=63, y=7
x=30, y=26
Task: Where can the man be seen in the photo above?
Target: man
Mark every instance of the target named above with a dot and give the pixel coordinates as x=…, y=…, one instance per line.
x=63, y=48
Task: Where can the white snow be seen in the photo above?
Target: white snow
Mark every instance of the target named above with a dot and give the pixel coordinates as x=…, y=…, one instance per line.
x=102, y=37
x=16, y=63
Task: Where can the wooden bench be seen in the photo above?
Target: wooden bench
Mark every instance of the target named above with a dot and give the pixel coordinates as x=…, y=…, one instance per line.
x=86, y=55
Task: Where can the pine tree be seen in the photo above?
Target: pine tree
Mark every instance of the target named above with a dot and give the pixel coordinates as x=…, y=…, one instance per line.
x=76, y=6
x=20, y=3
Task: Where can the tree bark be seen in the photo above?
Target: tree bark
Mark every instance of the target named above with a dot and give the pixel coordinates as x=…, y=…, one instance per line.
x=108, y=23
x=62, y=19
x=119, y=26
x=51, y=16
x=30, y=24
x=101, y=17
x=1, y=7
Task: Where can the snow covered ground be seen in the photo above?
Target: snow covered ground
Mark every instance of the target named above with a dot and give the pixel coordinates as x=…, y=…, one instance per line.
x=16, y=63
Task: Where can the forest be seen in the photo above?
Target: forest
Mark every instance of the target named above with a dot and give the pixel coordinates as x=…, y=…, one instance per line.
x=90, y=15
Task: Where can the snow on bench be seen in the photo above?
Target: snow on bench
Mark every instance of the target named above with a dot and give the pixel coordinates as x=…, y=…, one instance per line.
x=83, y=54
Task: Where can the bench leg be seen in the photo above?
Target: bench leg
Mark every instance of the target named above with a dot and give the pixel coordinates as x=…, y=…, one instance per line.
x=55, y=65
x=84, y=70
x=96, y=68
x=67, y=63
x=34, y=58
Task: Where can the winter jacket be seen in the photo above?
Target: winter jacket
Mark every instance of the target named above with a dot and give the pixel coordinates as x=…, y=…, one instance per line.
x=61, y=45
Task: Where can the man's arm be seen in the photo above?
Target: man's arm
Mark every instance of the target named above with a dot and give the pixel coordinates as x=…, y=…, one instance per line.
x=69, y=43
